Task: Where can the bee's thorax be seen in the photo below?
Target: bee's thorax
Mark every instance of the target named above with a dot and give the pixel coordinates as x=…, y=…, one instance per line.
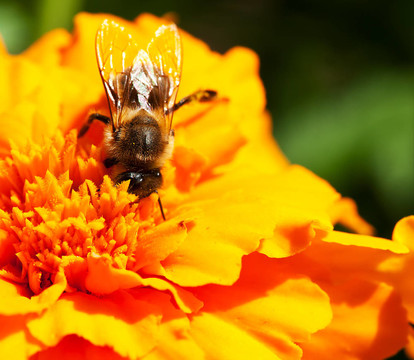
x=139, y=142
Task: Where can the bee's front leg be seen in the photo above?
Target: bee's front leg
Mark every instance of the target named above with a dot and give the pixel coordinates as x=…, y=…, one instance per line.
x=95, y=116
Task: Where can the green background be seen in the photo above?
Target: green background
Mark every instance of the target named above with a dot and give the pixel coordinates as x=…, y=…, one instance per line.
x=339, y=77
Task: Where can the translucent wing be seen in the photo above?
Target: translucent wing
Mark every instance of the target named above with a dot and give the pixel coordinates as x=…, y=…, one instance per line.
x=115, y=53
x=157, y=72
x=134, y=78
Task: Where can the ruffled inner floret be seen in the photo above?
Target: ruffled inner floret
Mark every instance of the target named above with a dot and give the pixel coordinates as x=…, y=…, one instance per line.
x=51, y=223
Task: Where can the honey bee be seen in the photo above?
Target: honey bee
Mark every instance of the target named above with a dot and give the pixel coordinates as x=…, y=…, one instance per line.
x=141, y=88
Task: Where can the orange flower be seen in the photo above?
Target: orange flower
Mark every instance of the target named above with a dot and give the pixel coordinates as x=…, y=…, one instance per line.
x=247, y=264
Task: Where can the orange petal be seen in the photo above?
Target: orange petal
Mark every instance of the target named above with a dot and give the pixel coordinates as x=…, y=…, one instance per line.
x=369, y=322
x=189, y=165
x=346, y=255
x=174, y=338
x=261, y=153
x=75, y=268
x=26, y=104
x=266, y=307
x=103, y=278
x=409, y=350
x=15, y=341
x=81, y=53
x=20, y=77
x=73, y=347
x=127, y=325
x=159, y=242
x=215, y=140
x=80, y=95
x=49, y=48
x=7, y=251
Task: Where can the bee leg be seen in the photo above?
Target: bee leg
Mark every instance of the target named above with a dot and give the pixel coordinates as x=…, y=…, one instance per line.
x=161, y=208
x=109, y=162
x=199, y=96
x=95, y=116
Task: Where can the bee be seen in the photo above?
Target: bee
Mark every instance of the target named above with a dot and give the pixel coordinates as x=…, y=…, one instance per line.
x=141, y=88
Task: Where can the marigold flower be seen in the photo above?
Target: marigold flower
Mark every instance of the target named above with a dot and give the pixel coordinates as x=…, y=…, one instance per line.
x=247, y=264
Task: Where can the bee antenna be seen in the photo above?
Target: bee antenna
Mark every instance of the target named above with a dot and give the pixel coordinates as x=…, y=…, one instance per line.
x=161, y=208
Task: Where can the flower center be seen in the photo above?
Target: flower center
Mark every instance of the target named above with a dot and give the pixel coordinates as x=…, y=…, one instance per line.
x=54, y=218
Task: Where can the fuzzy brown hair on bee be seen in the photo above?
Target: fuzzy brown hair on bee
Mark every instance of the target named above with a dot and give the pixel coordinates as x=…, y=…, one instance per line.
x=141, y=88
x=139, y=142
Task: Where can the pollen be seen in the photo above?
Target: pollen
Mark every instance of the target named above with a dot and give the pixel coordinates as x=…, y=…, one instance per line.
x=56, y=218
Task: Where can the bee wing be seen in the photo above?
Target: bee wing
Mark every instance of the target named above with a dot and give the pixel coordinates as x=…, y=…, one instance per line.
x=156, y=73
x=135, y=78
x=115, y=53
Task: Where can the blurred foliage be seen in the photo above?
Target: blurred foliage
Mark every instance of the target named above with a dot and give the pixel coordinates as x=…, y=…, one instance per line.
x=369, y=150
x=339, y=79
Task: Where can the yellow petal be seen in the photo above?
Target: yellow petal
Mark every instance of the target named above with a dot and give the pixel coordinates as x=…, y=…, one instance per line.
x=268, y=305
x=345, y=212
x=16, y=299
x=281, y=213
x=225, y=340
x=133, y=323
x=404, y=232
x=174, y=338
